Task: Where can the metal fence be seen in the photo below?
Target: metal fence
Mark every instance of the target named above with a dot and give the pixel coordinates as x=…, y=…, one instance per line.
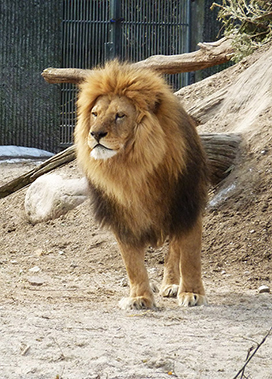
x=154, y=27
x=36, y=34
x=98, y=30
x=30, y=40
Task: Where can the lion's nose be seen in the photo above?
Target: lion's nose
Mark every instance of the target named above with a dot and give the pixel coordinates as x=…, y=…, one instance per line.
x=98, y=135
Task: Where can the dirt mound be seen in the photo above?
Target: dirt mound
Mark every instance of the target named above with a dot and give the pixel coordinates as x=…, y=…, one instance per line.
x=239, y=219
x=61, y=280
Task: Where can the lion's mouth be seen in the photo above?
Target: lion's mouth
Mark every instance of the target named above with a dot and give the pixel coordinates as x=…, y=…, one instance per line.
x=102, y=152
x=99, y=145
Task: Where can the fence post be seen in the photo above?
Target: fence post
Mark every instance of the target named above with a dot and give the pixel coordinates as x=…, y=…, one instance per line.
x=115, y=29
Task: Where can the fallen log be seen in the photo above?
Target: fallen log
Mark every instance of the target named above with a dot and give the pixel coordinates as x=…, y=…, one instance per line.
x=221, y=150
x=209, y=54
x=50, y=164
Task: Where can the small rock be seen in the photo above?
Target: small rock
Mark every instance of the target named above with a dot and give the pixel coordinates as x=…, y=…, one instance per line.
x=39, y=252
x=263, y=289
x=34, y=269
x=14, y=262
x=267, y=254
x=52, y=196
x=35, y=281
x=11, y=229
x=124, y=282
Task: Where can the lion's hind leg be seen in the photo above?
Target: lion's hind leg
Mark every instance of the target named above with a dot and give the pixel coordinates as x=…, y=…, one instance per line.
x=191, y=290
x=171, y=276
x=182, y=270
x=141, y=294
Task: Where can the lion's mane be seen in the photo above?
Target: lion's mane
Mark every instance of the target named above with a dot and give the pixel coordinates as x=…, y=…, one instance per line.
x=157, y=186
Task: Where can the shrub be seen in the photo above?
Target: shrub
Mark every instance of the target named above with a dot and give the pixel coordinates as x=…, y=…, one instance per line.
x=250, y=23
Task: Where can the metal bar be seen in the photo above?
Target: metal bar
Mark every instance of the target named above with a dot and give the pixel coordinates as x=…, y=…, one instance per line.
x=116, y=20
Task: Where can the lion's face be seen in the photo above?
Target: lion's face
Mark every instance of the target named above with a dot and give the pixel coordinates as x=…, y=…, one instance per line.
x=112, y=122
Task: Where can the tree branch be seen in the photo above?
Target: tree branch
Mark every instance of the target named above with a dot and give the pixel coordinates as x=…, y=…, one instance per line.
x=209, y=54
x=50, y=164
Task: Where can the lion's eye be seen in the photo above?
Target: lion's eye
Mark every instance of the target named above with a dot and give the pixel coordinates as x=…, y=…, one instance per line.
x=119, y=116
x=94, y=114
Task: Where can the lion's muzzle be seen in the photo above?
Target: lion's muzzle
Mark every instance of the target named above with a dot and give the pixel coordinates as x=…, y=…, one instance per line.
x=97, y=135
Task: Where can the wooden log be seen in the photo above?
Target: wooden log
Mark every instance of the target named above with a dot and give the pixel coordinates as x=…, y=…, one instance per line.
x=209, y=54
x=50, y=164
x=221, y=150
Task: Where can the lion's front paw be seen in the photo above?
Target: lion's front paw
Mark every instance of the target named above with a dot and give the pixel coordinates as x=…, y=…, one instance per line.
x=189, y=299
x=139, y=302
x=170, y=290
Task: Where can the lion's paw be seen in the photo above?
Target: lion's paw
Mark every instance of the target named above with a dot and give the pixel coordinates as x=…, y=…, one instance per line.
x=137, y=303
x=189, y=299
x=170, y=290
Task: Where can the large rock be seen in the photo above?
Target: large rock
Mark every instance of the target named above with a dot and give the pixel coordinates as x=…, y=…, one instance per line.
x=51, y=196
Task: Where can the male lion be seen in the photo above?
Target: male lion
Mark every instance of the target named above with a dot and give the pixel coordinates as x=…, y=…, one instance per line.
x=147, y=174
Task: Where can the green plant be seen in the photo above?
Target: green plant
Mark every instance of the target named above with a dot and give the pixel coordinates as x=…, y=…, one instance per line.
x=249, y=22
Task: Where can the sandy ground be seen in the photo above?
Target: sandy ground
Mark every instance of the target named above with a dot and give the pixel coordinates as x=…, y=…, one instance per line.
x=61, y=281
x=60, y=286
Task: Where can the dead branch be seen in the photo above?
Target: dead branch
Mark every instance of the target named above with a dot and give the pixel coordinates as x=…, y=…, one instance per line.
x=221, y=150
x=250, y=356
x=209, y=54
x=50, y=164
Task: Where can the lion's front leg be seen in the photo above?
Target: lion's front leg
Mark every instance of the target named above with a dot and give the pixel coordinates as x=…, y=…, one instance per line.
x=141, y=295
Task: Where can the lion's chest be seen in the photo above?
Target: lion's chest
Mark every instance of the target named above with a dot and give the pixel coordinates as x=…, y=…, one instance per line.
x=136, y=215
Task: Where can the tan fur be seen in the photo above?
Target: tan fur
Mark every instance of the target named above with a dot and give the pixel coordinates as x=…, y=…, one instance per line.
x=136, y=146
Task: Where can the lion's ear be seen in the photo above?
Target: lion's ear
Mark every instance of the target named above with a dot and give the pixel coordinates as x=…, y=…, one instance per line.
x=152, y=107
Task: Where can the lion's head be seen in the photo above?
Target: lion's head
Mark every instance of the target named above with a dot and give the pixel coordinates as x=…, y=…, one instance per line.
x=124, y=114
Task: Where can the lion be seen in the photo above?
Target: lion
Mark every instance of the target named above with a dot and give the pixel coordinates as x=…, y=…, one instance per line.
x=147, y=173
